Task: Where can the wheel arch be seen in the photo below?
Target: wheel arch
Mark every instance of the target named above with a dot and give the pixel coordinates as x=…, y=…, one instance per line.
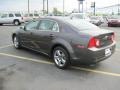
x=13, y=35
x=66, y=46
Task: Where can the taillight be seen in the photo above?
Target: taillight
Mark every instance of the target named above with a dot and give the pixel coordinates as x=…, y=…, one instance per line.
x=94, y=42
x=113, y=37
x=22, y=18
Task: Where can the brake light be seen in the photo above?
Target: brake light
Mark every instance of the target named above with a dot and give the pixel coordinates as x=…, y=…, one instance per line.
x=94, y=42
x=112, y=37
x=22, y=18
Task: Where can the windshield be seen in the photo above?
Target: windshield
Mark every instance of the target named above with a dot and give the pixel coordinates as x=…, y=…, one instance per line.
x=81, y=24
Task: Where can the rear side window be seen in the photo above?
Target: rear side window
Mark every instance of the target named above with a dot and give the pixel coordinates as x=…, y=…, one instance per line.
x=4, y=16
x=48, y=25
x=11, y=15
x=18, y=15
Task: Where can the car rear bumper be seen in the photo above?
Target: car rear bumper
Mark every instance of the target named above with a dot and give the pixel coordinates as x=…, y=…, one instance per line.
x=94, y=55
x=114, y=23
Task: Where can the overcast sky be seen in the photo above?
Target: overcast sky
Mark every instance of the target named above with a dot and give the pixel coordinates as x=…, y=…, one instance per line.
x=21, y=5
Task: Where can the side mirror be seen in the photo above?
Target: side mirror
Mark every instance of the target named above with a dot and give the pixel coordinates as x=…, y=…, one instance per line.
x=23, y=28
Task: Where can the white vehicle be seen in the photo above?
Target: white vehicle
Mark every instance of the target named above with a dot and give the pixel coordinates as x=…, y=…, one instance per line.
x=11, y=18
x=79, y=16
x=97, y=20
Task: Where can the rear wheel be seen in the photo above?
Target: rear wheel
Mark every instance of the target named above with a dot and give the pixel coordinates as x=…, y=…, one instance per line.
x=16, y=22
x=109, y=25
x=16, y=42
x=61, y=57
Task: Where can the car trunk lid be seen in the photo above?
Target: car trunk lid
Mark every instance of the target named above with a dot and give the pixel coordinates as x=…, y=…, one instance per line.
x=105, y=37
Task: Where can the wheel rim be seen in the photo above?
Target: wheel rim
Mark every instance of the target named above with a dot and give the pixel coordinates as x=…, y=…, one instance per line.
x=16, y=43
x=16, y=22
x=60, y=58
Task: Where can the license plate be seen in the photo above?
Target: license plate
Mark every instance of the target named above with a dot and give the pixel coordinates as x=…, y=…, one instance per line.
x=107, y=52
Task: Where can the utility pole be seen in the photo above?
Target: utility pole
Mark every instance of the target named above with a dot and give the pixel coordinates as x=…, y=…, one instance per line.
x=79, y=6
x=28, y=7
x=93, y=5
x=63, y=7
x=80, y=2
x=47, y=7
x=118, y=7
x=94, y=8
x=43, y=6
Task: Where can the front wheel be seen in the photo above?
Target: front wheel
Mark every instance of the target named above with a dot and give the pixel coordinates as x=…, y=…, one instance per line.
x=16, y=42
x=61, y=57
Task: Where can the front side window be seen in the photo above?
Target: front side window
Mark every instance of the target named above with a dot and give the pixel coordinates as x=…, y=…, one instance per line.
x=18, y=15
x=48, y=25
x=32, y=25
x=31, y=15
x=36, y=15
x=11, y=15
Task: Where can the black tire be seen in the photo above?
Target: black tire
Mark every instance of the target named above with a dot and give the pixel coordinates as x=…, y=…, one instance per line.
x=109, y=25
x=16, y=42
x=1, y=24
x=63, y=59
x=16, y=22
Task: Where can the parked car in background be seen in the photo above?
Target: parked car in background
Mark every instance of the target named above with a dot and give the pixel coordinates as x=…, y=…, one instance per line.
x=31, y=16
x=97, y=20
x=113, y=21
x=11, y=18
x=66, y=40
x=79, y=16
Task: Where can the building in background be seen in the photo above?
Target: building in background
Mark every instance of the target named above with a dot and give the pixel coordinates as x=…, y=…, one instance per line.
x=109, y=10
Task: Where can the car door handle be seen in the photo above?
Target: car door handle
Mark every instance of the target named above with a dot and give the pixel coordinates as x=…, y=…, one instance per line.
x=52, y=35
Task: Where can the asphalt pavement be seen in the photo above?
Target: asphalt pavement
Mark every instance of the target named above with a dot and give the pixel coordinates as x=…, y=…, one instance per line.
x=27, y=70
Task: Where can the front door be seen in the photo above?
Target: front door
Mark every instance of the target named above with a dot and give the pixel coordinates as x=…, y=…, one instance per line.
x=47, y=32
x=27, y=35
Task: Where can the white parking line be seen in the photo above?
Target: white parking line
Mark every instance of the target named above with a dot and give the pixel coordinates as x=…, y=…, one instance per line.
x=46, y=62
x=1, y=47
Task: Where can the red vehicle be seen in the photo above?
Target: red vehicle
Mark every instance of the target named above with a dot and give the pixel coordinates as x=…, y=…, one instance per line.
x=113, y=21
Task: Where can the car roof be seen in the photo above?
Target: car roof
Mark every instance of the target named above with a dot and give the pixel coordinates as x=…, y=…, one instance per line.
x=62, y=19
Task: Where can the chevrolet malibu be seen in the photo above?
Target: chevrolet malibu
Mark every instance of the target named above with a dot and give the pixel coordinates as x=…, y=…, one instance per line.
x=66, y=40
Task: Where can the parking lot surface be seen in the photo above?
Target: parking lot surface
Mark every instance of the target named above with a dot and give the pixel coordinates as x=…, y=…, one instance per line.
x=27, y=70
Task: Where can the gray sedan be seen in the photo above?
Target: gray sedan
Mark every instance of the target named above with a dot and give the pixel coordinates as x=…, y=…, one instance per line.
x=66, y=40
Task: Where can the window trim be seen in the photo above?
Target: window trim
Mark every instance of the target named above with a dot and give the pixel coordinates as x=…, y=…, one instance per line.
x=50, y=30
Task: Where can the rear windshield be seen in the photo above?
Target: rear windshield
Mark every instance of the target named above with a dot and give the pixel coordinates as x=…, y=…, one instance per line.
x=18, y=15
x=81, y=24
